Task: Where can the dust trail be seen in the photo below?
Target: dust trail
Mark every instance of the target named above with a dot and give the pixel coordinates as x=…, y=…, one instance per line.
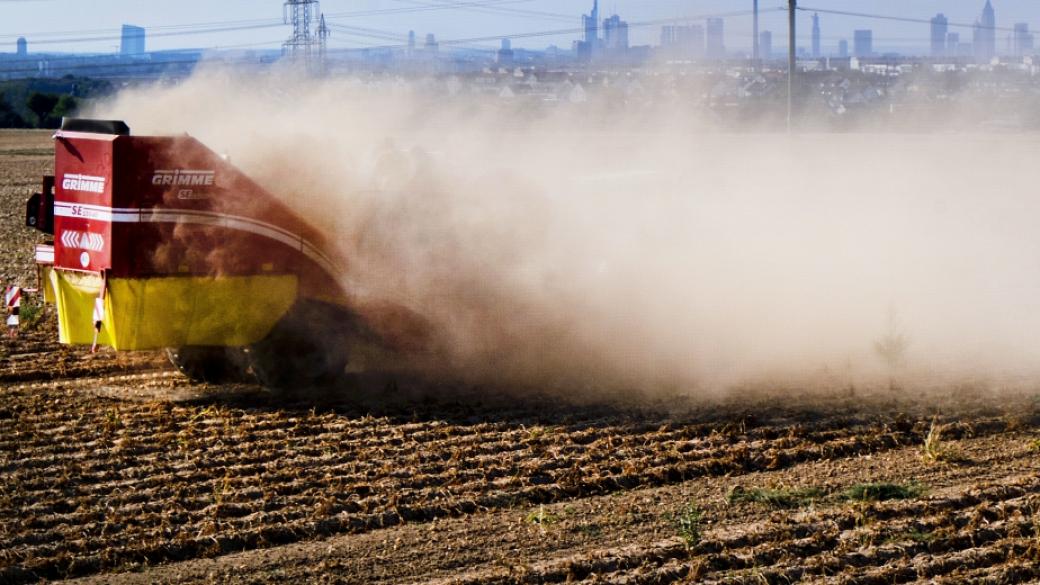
x=601, y=246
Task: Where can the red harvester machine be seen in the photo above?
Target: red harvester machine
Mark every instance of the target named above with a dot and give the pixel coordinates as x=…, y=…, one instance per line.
x=161, y=243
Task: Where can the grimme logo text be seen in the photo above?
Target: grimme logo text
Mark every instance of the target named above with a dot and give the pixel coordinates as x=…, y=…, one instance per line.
x=84, y=183
x=184, y=178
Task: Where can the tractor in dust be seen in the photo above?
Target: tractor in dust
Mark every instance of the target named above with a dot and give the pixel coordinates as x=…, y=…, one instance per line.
x=157, y=242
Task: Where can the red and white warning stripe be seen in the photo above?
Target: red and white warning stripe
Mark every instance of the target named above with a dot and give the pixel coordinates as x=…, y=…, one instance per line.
x=13, y=297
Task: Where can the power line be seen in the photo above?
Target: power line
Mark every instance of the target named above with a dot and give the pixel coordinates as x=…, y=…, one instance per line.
x=107, y=34
x=82, y=32
x=491, y=9
x=407, y=9
x=159, y=34
x=902, y=19
x=578, y=30
x=367, y=32
x=204, y=28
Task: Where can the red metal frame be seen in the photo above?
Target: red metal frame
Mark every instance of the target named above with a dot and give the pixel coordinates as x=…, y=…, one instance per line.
x=138, y=206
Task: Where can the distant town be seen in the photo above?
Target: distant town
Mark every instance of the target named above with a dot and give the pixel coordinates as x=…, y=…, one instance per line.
x=603, y=42
x=691, y=61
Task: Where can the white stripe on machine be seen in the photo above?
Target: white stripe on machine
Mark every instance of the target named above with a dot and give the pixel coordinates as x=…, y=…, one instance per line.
x=44, y=254
x=185, y=216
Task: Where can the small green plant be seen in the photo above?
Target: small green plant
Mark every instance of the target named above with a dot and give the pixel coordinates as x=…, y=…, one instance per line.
x=1034, y=445
x=776, y=498
x=911, y=535
x=589, y=529
x=879, y=492
x=113, y=422
x=31, y=315
x=541, y=517
x=221, y=490
x=687, y=523
x=934, y=448
x=535, y=433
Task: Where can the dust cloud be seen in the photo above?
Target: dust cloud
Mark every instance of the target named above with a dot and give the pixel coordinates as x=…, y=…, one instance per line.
x=585, y=245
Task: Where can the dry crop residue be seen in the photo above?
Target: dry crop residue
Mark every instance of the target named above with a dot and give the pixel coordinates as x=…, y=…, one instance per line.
x=93, y=484
x=114, y=469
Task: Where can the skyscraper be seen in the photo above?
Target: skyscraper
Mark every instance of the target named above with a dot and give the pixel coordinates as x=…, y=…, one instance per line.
x=132, y=40
x=411, y=42
x=590, y=24
x=863, y=43
x=683, y=41
x=505, y=54
x=23, y=47
x=816, y=36
x=953, y=44
x=985, y=37
x=615, y=34
x=1023, y=39
x=940, y=27
x=765, y=44
x=590, y=27
x=716, y=38
x=843, y=48
x=756, y=51
x=431, y=43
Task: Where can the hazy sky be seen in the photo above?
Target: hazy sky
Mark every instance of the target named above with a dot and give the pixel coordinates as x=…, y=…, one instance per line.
x=93, y=26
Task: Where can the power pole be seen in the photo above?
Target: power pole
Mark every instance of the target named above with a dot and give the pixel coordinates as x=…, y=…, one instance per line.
x=791, y=61
x=755, y=53
x=323, y=45
x=307, y=43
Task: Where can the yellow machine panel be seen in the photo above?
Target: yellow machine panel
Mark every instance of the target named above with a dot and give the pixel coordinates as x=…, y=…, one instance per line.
x=152, y=313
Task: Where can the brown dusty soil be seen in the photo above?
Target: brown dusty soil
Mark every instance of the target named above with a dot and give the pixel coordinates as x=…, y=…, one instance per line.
x=114, y=469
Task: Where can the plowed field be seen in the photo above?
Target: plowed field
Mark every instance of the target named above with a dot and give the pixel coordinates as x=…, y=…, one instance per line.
x=114, y=469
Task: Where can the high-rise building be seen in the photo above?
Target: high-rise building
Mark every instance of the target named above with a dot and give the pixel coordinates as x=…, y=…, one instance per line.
x=985, y=37
x=765, y=44
x=843, y=48
x=1023, y=39
x=590, y=33
x=132, y=40
x=615, y=34
x=863, y=43
x=683, y=41
x=505, y=53
x=716, y=38
x=953, y=44
x=756, y=50
x=590, y=24
x=816, y=36
x=431, y=44
x=411, y=42
x=23, y=46
x=940, y=27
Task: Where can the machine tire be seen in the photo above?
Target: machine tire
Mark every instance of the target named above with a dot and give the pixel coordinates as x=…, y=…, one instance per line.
x=215, y=365
x=308, y=348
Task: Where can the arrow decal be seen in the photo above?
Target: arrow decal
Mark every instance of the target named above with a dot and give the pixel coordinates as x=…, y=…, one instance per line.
x=82, y=240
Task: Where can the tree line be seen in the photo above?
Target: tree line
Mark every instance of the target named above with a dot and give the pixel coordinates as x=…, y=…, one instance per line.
x=47, y=110
x=41, y=102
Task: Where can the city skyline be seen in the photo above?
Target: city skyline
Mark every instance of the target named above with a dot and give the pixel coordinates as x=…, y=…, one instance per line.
x=253, y=24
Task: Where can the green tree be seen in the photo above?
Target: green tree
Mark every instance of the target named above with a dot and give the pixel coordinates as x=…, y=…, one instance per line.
x=66, y=106
x=41, y=105
x=8, y=117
